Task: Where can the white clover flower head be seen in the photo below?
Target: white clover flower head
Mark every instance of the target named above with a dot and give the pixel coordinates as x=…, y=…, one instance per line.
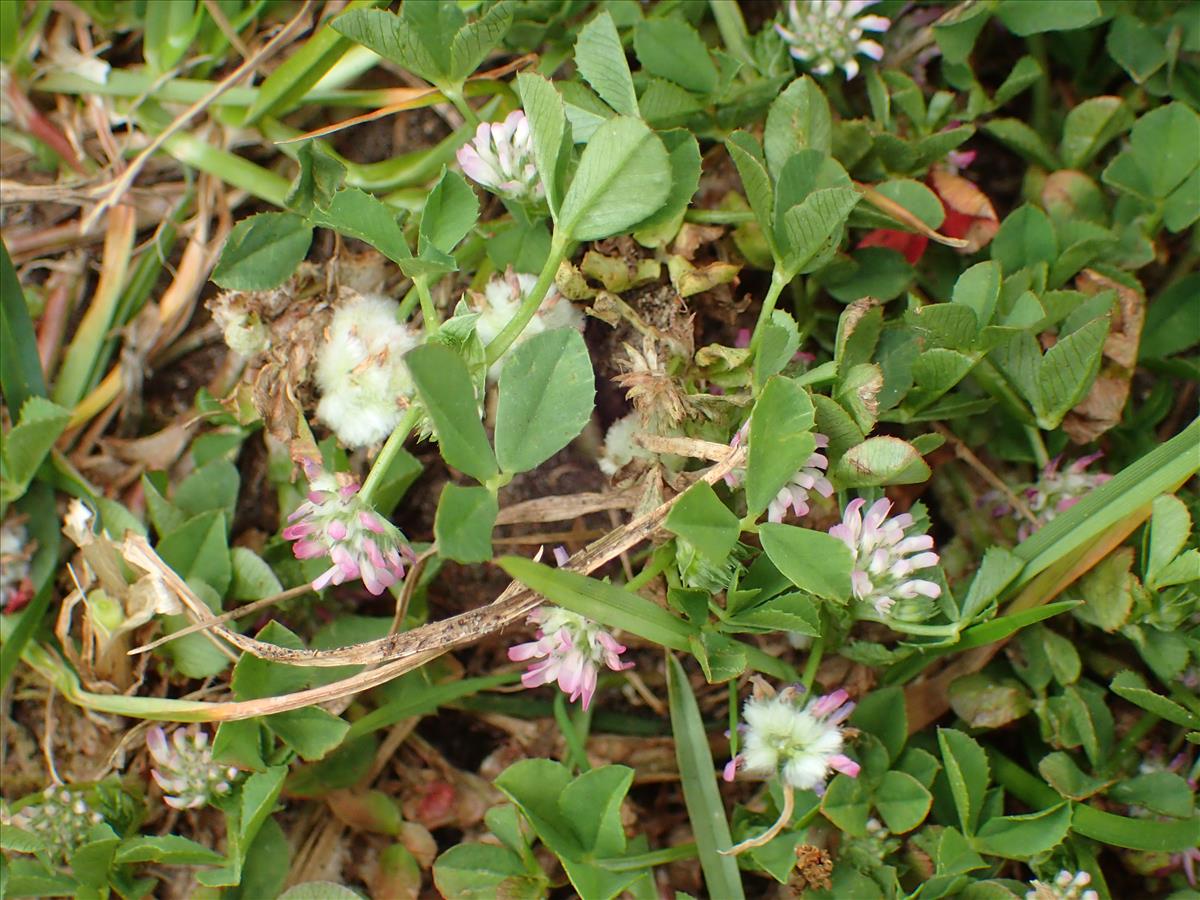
x=1066, y=886
x=62, y=819
x=337, y=523
x=500, y=159
x=502, y=298
x=884, y=558
x=827, y=34
x=569, y=649
x=801, y=743
x=364, y=382
x=185, y=769
x=1057, y=490
x=794, y=494
x=16, y=587
x=620, y=449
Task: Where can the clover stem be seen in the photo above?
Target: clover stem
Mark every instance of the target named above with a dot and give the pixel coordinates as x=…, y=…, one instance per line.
x=1038, y=446
x=455, y=96
x=383, y=462
x=779, y=280
x=812, y=663
x=428, y=311
x=531, y=303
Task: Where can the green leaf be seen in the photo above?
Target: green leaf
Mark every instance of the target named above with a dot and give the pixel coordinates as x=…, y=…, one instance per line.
x=1062, y=774
x=624, y=176
x=747, y=156
x=464, y=521
x=1132, y=687
x=966, y=768
x=812, y=560
x=878, y=461
x=548, y=130
x=798, y=119
x=1171, y=322
x=779, y=341
x=683, y=153
x=360, y=215
x=780, y=440
x=319, y=178
x=198, y=551
x=253, y=577
x=262, y=252
x=700, y=518
x=1067, y=371
x=706, y=812
x=956, y=31
x=1023, y=18
x=672, y=49
x=847, y=805
x=417, y=39
x=1022, y=139
x=1164, y=793
x=1026, y=73
x=811, y=228
x=474, y=41
x=721, y=658
x=983, y=701
x=600, y=59
x=91, y=861
x=882, y=714
x=1024, y=837
x=1170, y=525
x=592, y=804
x=213, y=486
x=168, y=849
x=483, y=872
x=26, y=445
x=20, y=366
x=1166, y=146
x=1137, y=49
x=902, y=801
x=1090, y=126
x=448, y=395
x=311, y=731
x=547, y=392
x=451, y=211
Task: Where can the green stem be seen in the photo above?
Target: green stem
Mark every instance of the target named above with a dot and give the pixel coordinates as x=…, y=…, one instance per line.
x=718, y=216
x=455, y=96
x=531, y=303
x=408, y=304
x=812, y=664
x=658, y=563
x=383, y=462
x=1141, y=728
x=1038, y=446
x=779, y=280
x=653, y=858
x=428, y=311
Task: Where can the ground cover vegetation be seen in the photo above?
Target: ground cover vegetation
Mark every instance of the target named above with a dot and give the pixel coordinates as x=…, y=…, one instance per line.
x=549, y=448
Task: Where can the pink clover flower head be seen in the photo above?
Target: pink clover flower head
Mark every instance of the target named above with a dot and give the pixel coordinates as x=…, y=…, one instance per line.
x=335, y=522
x=500, y=159
x=884, y=557
x=63, y=818
x=185, y=770
x=828, y=34
x=794, y=494
x=1066, y=886
x=801, y=743
x=569, y=649
x=1057, y=490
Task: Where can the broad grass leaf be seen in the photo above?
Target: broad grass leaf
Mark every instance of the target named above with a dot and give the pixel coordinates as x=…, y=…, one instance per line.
x=706, y=811
x=448, y=395
x=262, y=252
x=547, y=392
x=624, y=176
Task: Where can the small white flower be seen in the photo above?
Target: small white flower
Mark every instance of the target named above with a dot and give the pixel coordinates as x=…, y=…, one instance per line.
x=1066, y=886
x=502, y=298
x=826, y=34
x=794, y=494
x=185, y=769
x=361, y=372
x=335, y=522
x=569, y=649
x=884, y=559
x=62, y=819
x=799, y=743
x=620, y=449
x=500, y=158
